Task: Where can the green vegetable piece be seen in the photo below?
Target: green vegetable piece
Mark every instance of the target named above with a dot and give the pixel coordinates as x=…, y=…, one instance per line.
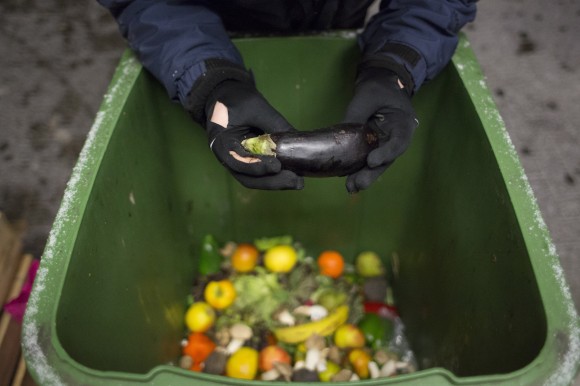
x=261, y=145
x=259, y=296
x=377, y=330
x=265, y=243
x=210, y=259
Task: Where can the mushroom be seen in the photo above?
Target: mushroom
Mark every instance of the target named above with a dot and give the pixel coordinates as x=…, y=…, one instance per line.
x=285, y=317
x=405, y=367
x=270, y=375
x=388, y=369
x=284, y=369
x=342, y=376
x=299, y=365
x=222, y=337
x=228, y=249
x=315, y=352
x=216, y=362
x=280, y=371
x=239, y=333
x=335, y=354
x=382, y=357
x=315, y=341
x=185, y=362
x=374, y=370
x=318, y=312
x=315, y=312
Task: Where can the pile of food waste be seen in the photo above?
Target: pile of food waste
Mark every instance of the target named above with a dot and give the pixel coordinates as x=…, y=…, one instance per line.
x=267, y=310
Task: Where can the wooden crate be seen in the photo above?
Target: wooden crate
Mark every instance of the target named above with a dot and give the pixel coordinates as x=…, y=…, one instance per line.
x=13, y=273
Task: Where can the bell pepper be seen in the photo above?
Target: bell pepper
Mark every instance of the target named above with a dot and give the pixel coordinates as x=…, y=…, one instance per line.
x=381, y=309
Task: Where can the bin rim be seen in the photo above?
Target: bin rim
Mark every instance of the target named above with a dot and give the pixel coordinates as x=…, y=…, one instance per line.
x=562, y=338
x=40, y=316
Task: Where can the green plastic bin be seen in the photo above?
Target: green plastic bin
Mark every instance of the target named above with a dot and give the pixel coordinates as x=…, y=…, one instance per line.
x=479, y=285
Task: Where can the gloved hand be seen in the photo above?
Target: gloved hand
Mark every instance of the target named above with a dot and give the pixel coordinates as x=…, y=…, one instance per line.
x=228, y=90
x=248, y=115
x=382, y=101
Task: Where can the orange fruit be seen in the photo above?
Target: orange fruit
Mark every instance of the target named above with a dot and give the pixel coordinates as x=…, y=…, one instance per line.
x=331, y=263
x=244, y=258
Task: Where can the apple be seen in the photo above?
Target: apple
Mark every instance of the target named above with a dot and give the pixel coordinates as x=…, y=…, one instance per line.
x=349, y=336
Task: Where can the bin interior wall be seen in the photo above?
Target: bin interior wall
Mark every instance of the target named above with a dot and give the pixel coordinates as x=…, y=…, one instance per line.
x=123, y=299
x=466, y=289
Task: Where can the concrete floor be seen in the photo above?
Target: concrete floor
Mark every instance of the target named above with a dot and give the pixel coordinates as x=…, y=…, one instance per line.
x=57, y=57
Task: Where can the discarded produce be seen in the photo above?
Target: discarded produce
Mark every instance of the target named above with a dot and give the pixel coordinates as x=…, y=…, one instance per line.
x=280, y=258
x=243, y=364
x=349, y=336
x=200, y=317
x=331, y=263
x=220, y=294
x=369, y=264
x=244, y=258
x=198, y=348
x=273, y=312
x=328, y=152
x=271, y=355
x=323, y=327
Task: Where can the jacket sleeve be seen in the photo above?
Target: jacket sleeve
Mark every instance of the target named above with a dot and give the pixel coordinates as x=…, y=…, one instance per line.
x=173, y=39
x=421, y=35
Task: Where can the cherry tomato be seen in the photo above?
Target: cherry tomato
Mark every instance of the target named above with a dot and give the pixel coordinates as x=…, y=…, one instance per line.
x=244, y=258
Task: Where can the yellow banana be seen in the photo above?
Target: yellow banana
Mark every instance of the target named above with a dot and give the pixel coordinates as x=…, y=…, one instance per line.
x=323, y=327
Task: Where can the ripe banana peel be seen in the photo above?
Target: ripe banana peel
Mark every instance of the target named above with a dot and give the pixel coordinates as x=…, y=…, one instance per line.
x=323, y=327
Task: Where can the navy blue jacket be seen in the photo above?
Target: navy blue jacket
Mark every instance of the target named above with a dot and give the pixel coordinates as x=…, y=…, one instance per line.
x=173, y=38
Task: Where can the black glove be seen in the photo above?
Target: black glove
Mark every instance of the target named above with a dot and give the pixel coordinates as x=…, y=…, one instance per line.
x=248, y=115
x=380, y=101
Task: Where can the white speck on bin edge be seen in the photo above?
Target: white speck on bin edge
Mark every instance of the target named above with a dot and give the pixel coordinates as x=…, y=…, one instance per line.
x=31, y=330
x=568, y=361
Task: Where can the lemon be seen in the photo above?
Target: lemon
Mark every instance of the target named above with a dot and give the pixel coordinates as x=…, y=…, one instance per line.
x=280, y=259
x=199, y=317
